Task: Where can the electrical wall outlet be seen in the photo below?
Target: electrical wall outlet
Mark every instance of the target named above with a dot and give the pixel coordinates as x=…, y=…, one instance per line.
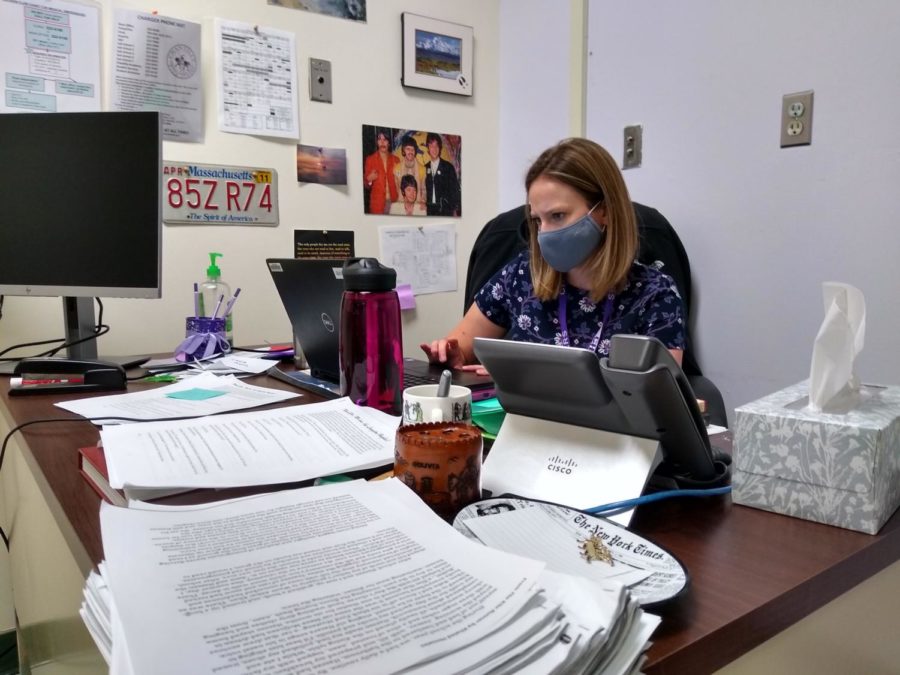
x=634, y=146
x=320, y=80
x=796, y=119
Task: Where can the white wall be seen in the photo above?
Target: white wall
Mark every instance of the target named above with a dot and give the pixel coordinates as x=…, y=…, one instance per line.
x=537, y=68
x=366, y=66
x=764, y=226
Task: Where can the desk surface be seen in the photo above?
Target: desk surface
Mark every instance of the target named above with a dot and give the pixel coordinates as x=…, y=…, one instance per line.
x=753, y=573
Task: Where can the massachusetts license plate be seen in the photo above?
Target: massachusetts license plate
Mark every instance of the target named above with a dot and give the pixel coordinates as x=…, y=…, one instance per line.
x=221, y=195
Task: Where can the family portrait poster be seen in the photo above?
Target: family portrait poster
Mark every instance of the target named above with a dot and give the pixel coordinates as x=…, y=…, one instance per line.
x=411, y=172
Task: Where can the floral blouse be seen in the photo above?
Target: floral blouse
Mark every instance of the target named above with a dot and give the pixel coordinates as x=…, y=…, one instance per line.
x=649, y=304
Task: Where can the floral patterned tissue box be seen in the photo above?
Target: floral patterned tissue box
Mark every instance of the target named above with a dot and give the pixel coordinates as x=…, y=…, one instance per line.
x=840, y=469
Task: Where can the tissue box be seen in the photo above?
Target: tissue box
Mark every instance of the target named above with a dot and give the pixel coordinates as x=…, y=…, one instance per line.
x=839, y=469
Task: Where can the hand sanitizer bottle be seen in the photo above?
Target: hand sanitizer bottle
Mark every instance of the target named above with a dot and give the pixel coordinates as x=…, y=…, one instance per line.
x=211, y=290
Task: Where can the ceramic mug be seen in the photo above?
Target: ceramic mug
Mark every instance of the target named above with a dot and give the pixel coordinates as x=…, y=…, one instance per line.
x=422, y=404
x=440, y=462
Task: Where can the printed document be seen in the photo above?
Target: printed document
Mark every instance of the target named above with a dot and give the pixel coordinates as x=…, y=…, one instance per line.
x=257, y=78
x=156, y=66
x=359, y=576
x=256, y=448
x=362, y=575
x=575, y=543
x=203, y=394
x=534, y=532
x=424, y=256
x=49, y=56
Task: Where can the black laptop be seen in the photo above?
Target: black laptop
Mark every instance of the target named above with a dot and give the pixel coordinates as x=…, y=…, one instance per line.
x=311, y=293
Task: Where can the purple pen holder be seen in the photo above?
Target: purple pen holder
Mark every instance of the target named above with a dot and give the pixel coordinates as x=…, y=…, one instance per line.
x=204, y=337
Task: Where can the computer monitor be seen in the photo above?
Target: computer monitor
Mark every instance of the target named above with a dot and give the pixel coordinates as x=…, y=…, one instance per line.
x=81, y=211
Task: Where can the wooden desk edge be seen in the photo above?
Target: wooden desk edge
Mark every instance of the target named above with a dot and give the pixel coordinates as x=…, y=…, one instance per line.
x=730, y=641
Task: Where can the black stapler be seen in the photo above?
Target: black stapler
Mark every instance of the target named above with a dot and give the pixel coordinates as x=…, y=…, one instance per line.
x=37, y=376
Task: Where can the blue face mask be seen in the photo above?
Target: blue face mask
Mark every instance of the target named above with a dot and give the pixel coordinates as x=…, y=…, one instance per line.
x=570, y=246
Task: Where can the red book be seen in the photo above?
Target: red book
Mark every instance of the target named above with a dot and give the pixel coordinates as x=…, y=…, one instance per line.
x=92, y=465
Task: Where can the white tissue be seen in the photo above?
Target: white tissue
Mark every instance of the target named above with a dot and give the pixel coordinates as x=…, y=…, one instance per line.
x=832, y=379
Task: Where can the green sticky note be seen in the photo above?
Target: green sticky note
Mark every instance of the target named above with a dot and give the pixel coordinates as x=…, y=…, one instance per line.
x=195, y=394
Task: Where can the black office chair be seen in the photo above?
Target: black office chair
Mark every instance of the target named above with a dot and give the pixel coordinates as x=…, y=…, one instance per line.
x=501, y=240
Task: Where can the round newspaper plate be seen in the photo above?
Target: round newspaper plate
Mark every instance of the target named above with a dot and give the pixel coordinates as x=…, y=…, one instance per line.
x=578, y=543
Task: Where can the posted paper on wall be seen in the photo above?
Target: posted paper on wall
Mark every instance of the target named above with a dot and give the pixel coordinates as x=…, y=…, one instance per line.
x=49, y=56
x=424, y=256
x=257, y=73
x=156, y=66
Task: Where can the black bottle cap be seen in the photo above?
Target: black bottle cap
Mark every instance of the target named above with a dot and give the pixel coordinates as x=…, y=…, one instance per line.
x=367, y=274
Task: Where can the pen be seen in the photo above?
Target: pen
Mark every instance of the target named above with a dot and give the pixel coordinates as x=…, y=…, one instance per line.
x=37, y=382
x=196, y=299
x=218, y=304
x=231, y=302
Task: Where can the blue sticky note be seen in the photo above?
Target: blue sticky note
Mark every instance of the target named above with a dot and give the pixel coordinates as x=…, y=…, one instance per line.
x=195, y=394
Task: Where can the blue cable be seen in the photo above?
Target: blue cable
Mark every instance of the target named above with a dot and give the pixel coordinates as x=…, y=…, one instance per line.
x=655, y=497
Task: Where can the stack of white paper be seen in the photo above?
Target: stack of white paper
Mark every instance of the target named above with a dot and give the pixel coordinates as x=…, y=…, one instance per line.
x=357, y=577
x=256, y=448
x=96, y=611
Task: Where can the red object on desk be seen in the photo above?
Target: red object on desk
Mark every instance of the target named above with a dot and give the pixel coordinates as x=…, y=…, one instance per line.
x=38, y=381
x=92, y=466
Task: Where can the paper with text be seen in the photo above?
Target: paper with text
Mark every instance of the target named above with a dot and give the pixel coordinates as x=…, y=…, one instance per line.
x=156, y=66
x=566, y=539
x=155, y=404
x=349, y=575
x=424, y=256
x=50, y=56
x=535, y=533
x=257, y=78
x=258, y=448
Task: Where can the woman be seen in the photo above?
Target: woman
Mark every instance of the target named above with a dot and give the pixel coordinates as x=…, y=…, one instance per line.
x=579, y=283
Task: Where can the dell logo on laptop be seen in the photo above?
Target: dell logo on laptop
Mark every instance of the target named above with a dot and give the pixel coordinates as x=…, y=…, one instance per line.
x=327, y=322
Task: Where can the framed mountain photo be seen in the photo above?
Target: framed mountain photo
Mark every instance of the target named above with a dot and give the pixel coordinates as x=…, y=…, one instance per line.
x=437, y=55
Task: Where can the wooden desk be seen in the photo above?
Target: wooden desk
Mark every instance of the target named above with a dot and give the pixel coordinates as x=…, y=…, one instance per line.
x=52, y=518
x=753, y=573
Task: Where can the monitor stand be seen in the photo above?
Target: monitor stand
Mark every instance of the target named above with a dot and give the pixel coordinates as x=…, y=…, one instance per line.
x=80, y=323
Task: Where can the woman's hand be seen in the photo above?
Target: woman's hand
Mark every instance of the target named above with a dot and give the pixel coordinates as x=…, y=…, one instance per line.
x=445, y=351
x=476, y=368
x=456, y=350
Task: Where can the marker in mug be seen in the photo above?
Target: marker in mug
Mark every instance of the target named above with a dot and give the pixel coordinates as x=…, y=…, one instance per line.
x=218, y=304
x=231, y=302
x=196, y=299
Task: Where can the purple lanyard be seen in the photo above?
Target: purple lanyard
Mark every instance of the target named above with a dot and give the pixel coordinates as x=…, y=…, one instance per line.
x=564, y=326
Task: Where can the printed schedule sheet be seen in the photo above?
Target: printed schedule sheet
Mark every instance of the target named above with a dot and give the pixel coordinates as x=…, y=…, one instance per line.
x=257, y=70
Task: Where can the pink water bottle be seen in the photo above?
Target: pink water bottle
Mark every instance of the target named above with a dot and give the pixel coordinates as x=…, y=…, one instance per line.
x=371, y=351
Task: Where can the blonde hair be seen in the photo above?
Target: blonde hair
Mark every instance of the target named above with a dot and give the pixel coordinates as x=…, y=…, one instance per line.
x=593, y=173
